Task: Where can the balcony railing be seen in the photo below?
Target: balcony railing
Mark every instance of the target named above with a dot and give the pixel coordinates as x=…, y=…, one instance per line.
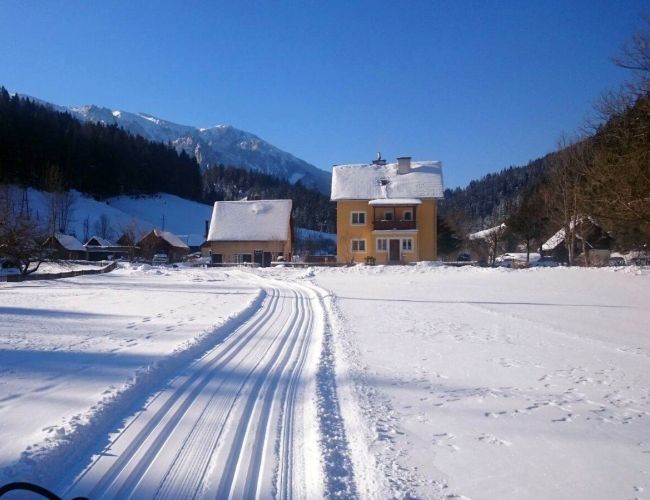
x=393, y=225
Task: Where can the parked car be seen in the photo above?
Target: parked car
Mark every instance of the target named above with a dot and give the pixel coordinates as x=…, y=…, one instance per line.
x=504, y=262
x=160, y=258
x=616, y=261
x=8, y=268
x=545, y=262
x=641, y=261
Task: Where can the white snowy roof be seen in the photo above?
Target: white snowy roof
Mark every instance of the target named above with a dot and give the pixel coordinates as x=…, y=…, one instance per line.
x=260, y=220
x=371, y=182
x=395, y=201
x=558, y=237
x=102, y=242
x=554, y=240
x=486, y=233
x=170, y=238
x=69, y=242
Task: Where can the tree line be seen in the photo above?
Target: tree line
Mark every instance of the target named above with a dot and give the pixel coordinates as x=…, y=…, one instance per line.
x=97, y=159
x=600, y=177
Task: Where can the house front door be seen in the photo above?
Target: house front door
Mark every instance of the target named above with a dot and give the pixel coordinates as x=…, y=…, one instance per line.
x=258, y=257
x=393, y=254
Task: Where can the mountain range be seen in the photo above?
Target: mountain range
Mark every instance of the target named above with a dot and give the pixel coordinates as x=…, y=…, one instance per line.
x=209, y=146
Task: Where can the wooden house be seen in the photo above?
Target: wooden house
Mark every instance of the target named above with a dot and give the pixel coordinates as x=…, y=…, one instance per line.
x=256, y=232
x=162, y=242
x=386, y=212
x=588, y=235
x=102, y=249
x=65, y=247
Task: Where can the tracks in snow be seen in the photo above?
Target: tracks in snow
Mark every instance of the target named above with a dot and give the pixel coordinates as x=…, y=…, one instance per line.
x=239, y=422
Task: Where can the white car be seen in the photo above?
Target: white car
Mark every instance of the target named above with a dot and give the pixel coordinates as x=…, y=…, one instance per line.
x=8, y=268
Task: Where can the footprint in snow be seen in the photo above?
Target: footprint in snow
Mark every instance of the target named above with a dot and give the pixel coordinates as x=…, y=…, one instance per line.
x=491, y=439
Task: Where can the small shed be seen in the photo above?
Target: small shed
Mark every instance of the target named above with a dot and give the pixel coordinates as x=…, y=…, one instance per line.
x=65, y=247
x=256, y=232
x=157, y=241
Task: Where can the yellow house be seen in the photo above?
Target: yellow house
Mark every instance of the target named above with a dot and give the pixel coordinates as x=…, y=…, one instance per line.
x=387, y=211
x=256, y=232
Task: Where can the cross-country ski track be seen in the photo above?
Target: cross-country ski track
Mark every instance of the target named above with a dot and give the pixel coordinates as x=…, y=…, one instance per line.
x=239, y=422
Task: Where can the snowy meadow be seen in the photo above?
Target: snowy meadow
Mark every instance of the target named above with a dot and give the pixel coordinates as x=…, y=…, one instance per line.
x=450, y=382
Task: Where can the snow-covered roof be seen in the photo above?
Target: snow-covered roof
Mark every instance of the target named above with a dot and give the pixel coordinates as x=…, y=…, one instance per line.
x=395, y=201
x=558, y=237
x=99, y=242
x=554, y=240
x=371, y=181
x=69, y=242
x=260, y=220
x=486, y=233
x=170, y=238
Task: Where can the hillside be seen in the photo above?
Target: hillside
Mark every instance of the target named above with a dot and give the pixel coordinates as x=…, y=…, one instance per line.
x=220, y=144
x=492, y=199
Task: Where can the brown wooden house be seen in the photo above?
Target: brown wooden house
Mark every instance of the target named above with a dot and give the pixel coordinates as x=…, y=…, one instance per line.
x=162, y=242
x=65, y=247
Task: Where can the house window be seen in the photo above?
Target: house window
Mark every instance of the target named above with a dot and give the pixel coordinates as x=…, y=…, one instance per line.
x=359, y=218
x=408, y=215
x=407, y=245
x=388, y=215
x=242, y=258
x=358, y=245
x=382, y=245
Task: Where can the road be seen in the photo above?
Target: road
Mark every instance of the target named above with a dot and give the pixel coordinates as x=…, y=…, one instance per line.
x=237, y=423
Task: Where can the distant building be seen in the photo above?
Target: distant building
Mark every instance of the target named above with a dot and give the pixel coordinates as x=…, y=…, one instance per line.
x=256, y=232
x=386, y=212
x=103, y=249
x=65, y=247
x=162, y=242
x=588, y=234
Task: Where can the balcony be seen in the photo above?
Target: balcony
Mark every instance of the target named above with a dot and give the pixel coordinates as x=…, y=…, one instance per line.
x=393, y=225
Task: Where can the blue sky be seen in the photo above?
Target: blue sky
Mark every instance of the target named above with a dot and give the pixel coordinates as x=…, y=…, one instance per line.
x=479, y=85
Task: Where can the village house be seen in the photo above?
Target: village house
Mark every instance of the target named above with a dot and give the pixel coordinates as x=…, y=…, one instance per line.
x=256, y=232
x=589, y=236
x=102, y=249
x=65, y=247
x=162, y=242
x=386, y=212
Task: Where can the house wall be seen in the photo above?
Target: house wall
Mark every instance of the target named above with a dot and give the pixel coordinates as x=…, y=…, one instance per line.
x=424, y=239
x=228, y=249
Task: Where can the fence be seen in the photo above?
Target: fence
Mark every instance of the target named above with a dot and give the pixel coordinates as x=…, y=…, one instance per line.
x=54, y=276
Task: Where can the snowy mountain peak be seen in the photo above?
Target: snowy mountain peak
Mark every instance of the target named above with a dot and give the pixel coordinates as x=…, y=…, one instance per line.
x=223, y=144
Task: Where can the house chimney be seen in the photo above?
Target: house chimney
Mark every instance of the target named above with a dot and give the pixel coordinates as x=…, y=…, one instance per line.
x=403, y=165
x=207, y=228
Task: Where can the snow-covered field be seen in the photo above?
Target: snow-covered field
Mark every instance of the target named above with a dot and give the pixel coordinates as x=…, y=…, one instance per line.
x=379, y=382
x=495, y=383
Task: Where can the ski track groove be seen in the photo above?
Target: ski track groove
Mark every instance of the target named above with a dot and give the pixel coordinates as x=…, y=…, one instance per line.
x=225, y=426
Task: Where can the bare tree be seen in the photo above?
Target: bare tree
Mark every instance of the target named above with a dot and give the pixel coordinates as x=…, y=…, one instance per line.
x=60, y=202
x=635, y=56
x=103, y=227
x=20, y=235
x=565, y=197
